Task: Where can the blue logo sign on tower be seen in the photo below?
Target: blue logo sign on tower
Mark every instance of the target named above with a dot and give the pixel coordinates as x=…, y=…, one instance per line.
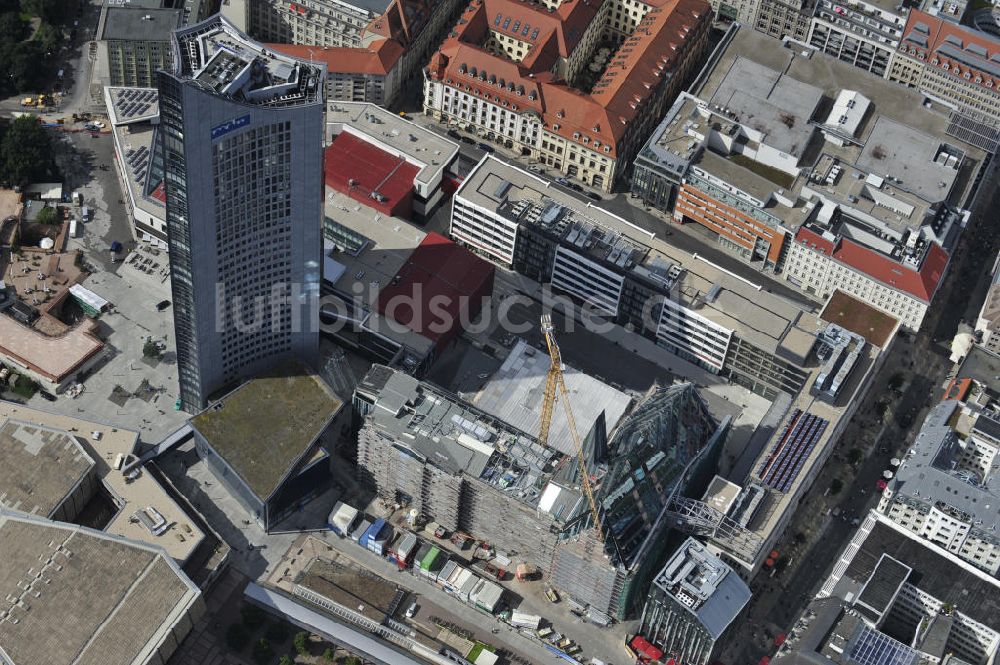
x=231, y=126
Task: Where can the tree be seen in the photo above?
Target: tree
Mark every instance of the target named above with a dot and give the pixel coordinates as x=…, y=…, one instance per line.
x=11, y=27
x=48, y=38
x=47, y=215
x=262, y=651
x=52, y=11
x=253, y=616
x=152, y=350
x=286, y=660
x=352, y=660
x=237, y=637
x=301, y=643
x=896, y=381
x=277, y=632
x=836, y=485
x=855, y=456
x=26, y=152
x=328, y=655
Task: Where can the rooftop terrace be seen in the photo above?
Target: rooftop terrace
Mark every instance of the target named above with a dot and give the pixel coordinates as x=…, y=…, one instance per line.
x=752, y=56
x=704, y=585
x=219, y=58
x=104, y=443
x=428, y=150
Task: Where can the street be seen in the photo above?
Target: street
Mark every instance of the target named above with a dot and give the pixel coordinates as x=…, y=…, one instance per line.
x=919, y=364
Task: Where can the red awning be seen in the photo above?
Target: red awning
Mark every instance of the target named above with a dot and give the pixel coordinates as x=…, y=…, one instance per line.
x=641, y=644
x=779, y=639
x=764, y=661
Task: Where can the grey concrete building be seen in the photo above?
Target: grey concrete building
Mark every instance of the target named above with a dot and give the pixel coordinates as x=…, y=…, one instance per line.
x=75, y=595
x=136, y=42
x=785, y=18
x=691, y=603
x=892, y=597
x=46, y=472
x=242, y=131
x=467, y=470
x=947, y=489
x=267, y=442
x=461, y=467
x=863, y=34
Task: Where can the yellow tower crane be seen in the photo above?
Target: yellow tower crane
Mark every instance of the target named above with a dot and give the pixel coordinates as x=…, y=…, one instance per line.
x=554, y=380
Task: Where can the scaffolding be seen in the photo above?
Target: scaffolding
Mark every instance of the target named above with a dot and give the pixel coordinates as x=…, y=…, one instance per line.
x=698, y=518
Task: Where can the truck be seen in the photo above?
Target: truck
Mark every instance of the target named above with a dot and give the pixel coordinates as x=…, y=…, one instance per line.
x=28, y=101
x=525, y=620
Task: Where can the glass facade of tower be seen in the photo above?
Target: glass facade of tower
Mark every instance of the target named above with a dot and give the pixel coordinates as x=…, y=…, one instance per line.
x=241, y=143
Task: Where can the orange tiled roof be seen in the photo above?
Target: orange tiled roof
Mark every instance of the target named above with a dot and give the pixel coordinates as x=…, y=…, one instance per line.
x=649, y=54
x=379, y=58
x=602, y=116
x=960, y=49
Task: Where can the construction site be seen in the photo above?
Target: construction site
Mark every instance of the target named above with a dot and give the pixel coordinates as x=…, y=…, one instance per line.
x=593, y=513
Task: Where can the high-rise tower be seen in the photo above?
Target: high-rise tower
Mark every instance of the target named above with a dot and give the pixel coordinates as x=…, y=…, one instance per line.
x=241, y=132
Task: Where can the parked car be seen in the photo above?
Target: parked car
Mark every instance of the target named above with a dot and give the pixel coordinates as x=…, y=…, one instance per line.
x=411, y=610
x=453, y=134
x=563, y=181
x=162, y=305
x=469, y=140
x=575, y=187
x=47, y=395
x=485, y=147
x=535, y=169
x=595, y=197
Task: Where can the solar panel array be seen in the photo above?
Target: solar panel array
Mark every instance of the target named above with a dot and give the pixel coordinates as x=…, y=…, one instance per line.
x=138, y=162
x=802, y=431
x=875, y=648
x=133, y=103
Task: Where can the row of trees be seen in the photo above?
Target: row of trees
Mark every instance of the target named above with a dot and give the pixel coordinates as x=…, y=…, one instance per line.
x=25, y=58
x=25, y=153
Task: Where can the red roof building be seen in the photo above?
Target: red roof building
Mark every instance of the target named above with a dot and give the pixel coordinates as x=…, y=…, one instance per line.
x=642, y=75
x=921, y=284
x=370, y=175
x=952, y=61
x=441, y=286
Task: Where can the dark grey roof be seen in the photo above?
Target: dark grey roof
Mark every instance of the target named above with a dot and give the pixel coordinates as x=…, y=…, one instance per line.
x=966, y=58
x=140, y=24
x=377, y=7
x=928, y=473
x=987, y=426
x=934, y=574
x=881, y=588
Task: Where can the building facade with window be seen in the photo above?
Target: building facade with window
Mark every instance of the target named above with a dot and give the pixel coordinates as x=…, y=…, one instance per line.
x=370, y=48
x=860, y=33
x=785, y=18
x=947, y=490
x=533, y=80
x=135, y=42
x=241, y=138
x=950, y=61
x=623, y=273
